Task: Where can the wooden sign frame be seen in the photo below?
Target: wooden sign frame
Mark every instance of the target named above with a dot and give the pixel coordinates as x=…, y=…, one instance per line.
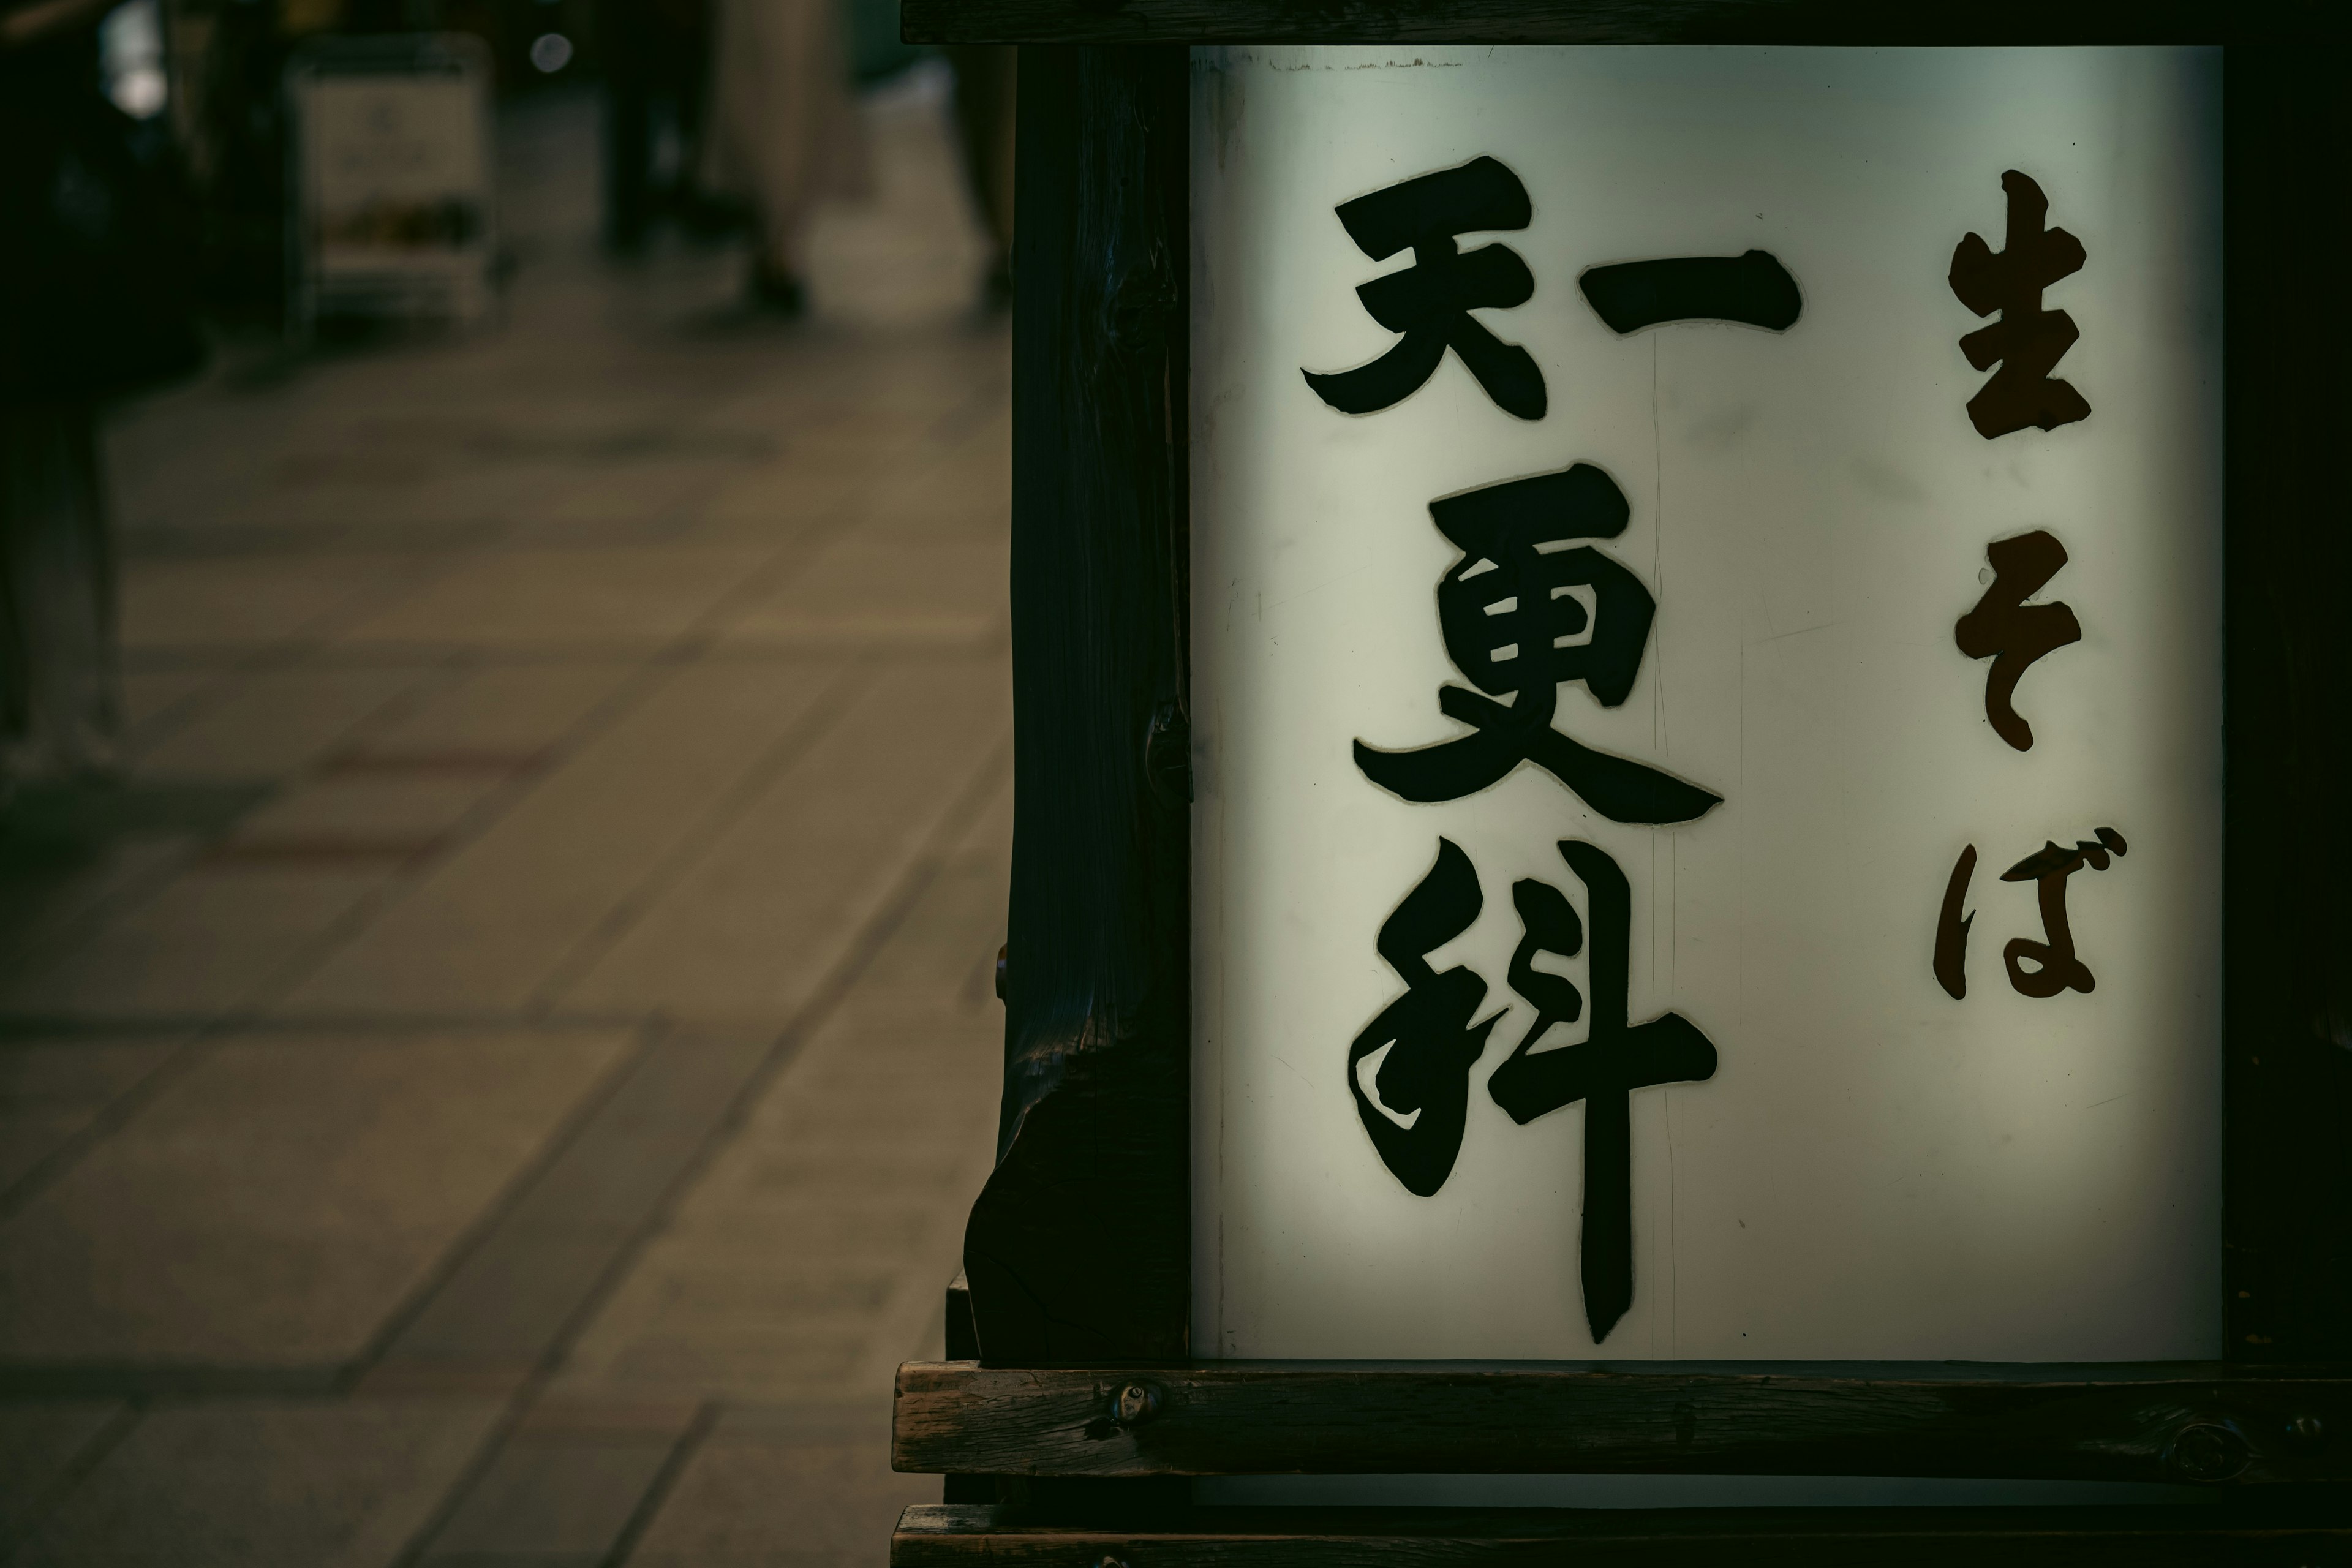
x=1071, y=1411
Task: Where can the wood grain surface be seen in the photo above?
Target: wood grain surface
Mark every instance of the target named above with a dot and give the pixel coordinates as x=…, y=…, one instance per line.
x=2179, y=1422
x=2300, y=1533
x=1080, y=1245
x=1604, y=22
x=2287, y=699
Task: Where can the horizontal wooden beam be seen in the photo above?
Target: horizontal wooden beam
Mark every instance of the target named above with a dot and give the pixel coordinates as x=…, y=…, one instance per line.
x=2169, y=1421
x=1604, y=22
x=930, y=1536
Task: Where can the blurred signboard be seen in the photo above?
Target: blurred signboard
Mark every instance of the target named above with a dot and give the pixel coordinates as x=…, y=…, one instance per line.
x=1708, y=702
x=393, y=173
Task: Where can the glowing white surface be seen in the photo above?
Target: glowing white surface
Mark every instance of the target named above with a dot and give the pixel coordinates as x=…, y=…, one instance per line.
x=1875, y=1171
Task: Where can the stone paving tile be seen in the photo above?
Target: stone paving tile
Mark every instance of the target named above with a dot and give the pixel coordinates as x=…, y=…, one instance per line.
x=595, y=597
x=244, y=602
x=39, y=1443
x=864, y=590
x=511, y=712
x=251, y=1484
x=783, y=1498
x=488, y=927
x=356, y=809
x=779, y=501
x=962, y=498
x=45, y=908
x=275, y=1202
x=52, y=1089
x=277, y=721
x=153, y=699
x=209, y=942
x=642, y=497
x=941, y=959
x=771, y=907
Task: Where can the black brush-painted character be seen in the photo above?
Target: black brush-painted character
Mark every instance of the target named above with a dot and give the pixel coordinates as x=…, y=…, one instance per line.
x=2011, y=633
x=2056, y=968
x=1430, y=301
x=1951, y=964
x=1753, y=289
x=1423, y=1082
x=1515, y=626
x=1616, y=1057
x=2028, y=342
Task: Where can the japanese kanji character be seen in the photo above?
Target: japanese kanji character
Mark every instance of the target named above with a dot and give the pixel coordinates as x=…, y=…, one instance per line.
x=1424, y=1083
x=1754, y=289
x=1430, y=301
x=1513, y=625
x=2026, y=341
x=1615, y=1059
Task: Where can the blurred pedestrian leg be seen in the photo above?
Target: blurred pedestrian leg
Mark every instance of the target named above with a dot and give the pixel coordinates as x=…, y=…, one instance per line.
x=657, y=64
x=59, y=712
x=783, y=130
x=97, y=265
x=985, y=76
x=628, y=123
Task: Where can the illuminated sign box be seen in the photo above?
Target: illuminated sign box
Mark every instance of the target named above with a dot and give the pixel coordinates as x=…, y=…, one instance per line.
x=1662, y=673
x=1680, y=714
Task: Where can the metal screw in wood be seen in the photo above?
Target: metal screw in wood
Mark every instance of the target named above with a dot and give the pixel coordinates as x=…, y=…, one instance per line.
x=1137, y=1402
x=2206, y=1452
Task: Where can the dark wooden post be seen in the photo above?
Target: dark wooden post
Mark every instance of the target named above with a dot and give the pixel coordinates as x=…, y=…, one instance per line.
x=2287, y=1183
x=1079, y=1248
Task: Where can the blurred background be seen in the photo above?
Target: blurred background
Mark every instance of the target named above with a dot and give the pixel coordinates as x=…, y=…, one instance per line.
x=504, y=771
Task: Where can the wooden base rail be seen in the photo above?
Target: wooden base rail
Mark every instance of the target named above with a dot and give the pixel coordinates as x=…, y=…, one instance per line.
x=930, y=1536
x=2174, y=1421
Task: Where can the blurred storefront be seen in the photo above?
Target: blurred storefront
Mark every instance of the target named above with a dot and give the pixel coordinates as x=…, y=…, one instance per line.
x=217, y=69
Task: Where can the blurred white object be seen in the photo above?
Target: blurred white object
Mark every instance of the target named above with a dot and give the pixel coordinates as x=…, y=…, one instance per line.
x=551, y=52
x=131, y=58
x=391, y=152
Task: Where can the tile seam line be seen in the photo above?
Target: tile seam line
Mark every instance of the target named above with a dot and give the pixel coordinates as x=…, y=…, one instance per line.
x=161, y=1383
x=112, y=1118
x=658, y=1491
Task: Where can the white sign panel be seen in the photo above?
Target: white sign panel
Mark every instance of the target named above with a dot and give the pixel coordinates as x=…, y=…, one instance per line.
x=396, y=190
x=1706, y=677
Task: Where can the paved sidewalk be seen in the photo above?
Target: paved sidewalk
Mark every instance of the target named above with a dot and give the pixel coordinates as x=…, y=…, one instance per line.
x=503, y=1081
